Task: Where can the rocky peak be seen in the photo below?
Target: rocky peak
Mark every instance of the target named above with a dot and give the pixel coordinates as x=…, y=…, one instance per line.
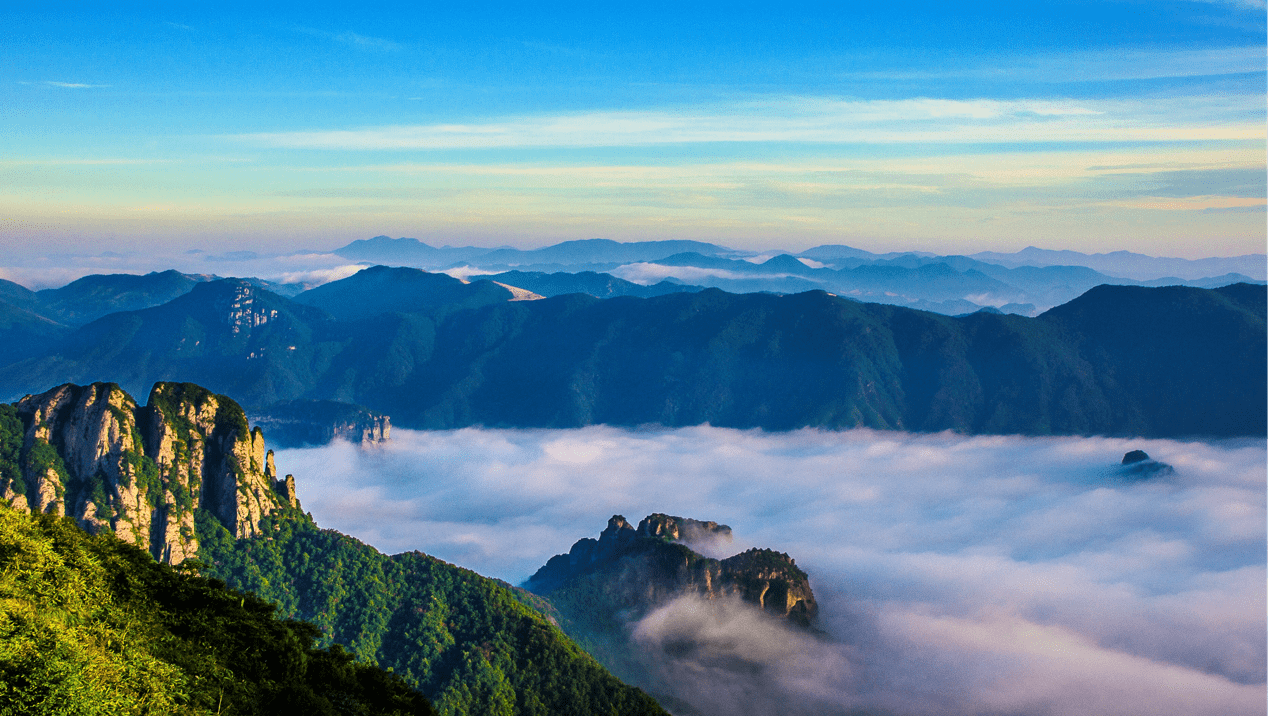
x=615, y=537
x=635, y=570
x=91, y=452
x=676, y=529
x=773, y=581
x=1138, y=464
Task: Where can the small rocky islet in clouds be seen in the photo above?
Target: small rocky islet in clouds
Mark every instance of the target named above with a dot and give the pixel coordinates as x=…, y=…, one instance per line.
x=640, y=568
x=604, y=591
x=1138, y=464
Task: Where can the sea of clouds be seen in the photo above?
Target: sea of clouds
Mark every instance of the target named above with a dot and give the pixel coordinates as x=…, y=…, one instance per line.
x=955, y=575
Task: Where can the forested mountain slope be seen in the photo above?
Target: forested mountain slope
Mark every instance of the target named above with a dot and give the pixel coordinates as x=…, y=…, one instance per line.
x=1119, y=360
x=91, y=625
x=465, y=640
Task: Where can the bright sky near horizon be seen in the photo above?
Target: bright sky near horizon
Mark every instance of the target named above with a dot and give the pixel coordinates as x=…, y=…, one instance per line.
x=946, y=127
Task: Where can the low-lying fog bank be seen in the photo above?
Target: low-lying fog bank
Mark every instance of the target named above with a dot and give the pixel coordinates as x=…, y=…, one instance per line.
x=992, y=575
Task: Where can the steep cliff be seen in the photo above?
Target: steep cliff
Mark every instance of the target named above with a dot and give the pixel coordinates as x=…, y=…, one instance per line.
x=630, y=571
x=140, y=471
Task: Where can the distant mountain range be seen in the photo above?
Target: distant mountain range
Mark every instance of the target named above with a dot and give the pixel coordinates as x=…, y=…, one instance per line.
x=1026, y=282
x=1125, y=264
x=1131, y=265
x=434, y=352
x=382, y=249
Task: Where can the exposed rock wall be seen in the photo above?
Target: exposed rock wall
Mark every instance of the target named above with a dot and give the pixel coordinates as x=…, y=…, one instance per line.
x=682, y=529
x=140, y=471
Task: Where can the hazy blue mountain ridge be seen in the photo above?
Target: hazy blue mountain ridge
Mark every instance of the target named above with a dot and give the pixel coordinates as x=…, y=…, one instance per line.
x=412, y=252
x=91, y=297
x=599, y=285
x=24, y=333
x=1132, y=265
x=1124, y=264
x=380, y=289
x=749, y=360
x=18, y=295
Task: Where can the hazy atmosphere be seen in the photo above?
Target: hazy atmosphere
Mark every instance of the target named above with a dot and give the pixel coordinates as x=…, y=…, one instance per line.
x=955, y=574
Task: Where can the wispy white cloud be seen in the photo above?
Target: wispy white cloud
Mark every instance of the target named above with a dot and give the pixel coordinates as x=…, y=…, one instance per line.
x=375, y=43
x=354, y=39
x=462, y=273
x=317, y=277
x=1088, y=65
x=1245, y=4
x=54, y=270
x=645, y=273
x=818, y=120
x=66, y=85
x=79, y=162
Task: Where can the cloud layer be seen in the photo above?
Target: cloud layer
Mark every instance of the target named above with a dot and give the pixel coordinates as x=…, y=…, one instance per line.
x=818, y=120
x=994, y=575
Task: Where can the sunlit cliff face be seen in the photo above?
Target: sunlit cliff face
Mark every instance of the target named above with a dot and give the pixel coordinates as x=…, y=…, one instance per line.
x=955, y=575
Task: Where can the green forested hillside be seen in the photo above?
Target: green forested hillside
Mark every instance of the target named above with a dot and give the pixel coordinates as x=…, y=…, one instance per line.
x=91, y=625
x=466, y=641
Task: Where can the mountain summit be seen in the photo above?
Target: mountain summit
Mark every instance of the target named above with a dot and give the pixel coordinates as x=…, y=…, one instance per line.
x=636, y=569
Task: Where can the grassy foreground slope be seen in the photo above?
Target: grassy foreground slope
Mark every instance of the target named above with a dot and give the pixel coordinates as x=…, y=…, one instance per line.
x=464, y=640
x=92, y=625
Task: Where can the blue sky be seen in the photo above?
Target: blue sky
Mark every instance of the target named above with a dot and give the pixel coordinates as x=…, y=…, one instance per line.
x=1086, y=125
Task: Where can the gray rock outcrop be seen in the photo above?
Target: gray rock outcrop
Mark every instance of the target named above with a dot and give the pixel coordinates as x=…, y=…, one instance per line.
x=141, y=471
x=1139, y=465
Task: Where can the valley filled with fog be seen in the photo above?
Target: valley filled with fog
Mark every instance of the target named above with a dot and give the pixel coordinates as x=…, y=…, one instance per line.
x=955, y=574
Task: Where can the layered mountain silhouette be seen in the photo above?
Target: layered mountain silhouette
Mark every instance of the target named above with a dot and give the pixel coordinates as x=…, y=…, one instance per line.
x=1025, y=282
x=92, y=297
x=433, y=352
x=591, y=283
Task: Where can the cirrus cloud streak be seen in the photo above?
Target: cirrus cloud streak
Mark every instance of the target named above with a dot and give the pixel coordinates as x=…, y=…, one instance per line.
x=817, y=120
